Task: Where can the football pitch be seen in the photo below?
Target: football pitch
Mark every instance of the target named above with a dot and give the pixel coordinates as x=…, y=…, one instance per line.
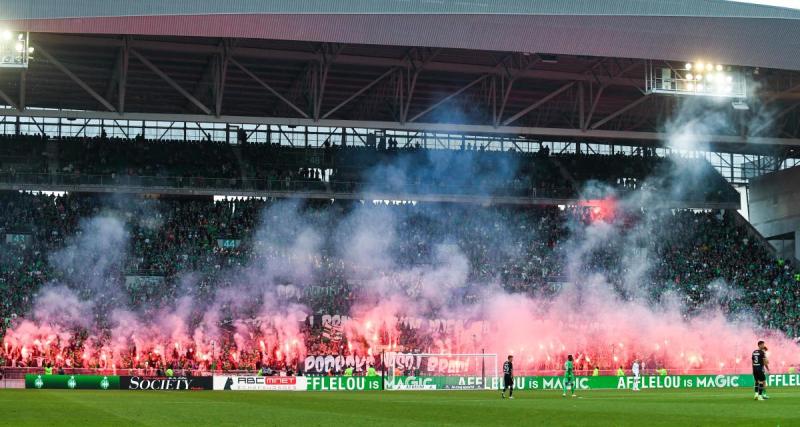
x=720, y=407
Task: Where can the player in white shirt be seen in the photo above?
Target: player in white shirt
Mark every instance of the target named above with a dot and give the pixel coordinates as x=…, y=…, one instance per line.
x=635, y=370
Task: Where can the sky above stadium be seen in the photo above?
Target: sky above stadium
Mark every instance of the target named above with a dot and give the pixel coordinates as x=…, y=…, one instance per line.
x=791, y=4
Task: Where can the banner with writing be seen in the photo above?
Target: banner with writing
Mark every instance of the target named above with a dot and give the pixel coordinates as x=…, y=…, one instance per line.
x=343, y=383
x=588, y=383
x=258, y=383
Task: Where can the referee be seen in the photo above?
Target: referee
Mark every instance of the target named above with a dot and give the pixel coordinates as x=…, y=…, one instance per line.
x=508, y=378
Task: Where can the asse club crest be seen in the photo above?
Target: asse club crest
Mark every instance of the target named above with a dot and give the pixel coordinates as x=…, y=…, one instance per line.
x=104, y=383
x=71, y=382
x=38, y=382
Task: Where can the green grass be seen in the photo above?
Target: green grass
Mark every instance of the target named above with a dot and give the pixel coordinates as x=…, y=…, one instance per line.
x=721, y=407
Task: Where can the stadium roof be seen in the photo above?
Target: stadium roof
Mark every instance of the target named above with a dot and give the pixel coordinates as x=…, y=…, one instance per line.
x=551, y=68
x=724, y=31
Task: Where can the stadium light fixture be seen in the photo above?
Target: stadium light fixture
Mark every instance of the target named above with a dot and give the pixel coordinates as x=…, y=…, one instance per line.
x=14, y=49
x=698, y=78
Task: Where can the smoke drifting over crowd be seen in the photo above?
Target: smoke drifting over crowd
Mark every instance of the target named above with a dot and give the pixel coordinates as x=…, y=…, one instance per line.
x=607, y=311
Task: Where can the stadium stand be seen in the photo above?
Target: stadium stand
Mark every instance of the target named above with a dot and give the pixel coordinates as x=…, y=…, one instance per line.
x=360, y=212
x=270, y=167
x=701, y=247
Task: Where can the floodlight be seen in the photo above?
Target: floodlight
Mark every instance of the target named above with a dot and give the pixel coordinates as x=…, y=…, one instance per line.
x=700, y=78
x=14, y=52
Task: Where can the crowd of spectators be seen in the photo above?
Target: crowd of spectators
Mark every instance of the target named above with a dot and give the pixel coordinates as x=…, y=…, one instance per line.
x=377, y=168
x=525, y=249
x=22, y=154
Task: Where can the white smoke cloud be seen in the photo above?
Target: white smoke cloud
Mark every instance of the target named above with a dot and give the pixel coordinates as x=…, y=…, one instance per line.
x=608, y=310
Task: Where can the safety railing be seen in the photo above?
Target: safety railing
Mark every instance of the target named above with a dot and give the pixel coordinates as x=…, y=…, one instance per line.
x=511, y=192
x=272, y=185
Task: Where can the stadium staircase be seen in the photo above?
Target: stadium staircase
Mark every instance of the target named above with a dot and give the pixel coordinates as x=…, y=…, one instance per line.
x=565, y=174
x=754, y=234
x=51, y=153
x=244, y=167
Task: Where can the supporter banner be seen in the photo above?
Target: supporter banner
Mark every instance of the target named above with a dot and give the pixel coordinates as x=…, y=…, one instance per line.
x=409, y=363
x=166, y=383
x=321, y=364
x=343, y=383
x=252, y=382
x=336, y=320
x=442, y=325
x=436, y=365
x=85, y=382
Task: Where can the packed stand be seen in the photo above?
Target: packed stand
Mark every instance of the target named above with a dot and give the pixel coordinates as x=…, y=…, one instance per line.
x=521, y=249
